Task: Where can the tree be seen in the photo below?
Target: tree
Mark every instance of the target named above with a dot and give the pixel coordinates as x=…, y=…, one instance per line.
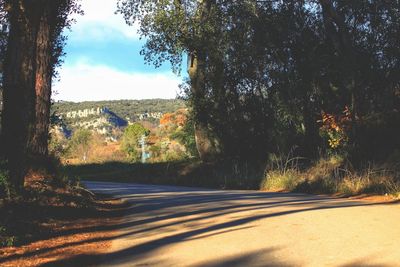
x=18, y=121
x=49, y=52
x=171, y=29
x=80, y=143
x=130, y=140
x=262, y=72
x=34, y=27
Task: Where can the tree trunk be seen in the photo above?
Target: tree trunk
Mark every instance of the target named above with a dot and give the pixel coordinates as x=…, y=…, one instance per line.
x=18, y=120
x=44, y=70
x=206, y=145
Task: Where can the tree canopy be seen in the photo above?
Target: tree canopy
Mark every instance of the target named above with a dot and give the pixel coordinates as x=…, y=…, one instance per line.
x=267, y=71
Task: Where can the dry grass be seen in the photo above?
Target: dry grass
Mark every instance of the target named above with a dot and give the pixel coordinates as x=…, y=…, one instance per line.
x=332, y=175
x=280, y=181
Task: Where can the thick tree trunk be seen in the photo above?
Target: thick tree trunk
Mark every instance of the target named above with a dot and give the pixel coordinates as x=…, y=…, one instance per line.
x=206, y=145
x=18, y=120
x=39, y=142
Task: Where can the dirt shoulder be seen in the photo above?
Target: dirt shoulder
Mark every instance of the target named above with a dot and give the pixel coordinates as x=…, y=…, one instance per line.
x=58, y=226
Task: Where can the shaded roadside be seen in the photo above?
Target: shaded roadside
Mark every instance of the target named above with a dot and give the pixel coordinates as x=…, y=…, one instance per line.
x=61, y=225
x=175, y=226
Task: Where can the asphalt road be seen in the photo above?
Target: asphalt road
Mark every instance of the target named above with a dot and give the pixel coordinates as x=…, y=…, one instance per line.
x=178, y=226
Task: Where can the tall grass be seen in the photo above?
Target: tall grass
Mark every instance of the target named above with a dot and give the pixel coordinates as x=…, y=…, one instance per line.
x=332, y=175
x=283, y=172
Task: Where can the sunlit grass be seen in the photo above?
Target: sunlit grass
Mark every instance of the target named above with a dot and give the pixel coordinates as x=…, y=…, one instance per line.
x=332, y=175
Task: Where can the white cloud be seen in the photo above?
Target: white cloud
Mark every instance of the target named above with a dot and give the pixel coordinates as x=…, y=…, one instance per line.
x=85, y=82
x=100, y=22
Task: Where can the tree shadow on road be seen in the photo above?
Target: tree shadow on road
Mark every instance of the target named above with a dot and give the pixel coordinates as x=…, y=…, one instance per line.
x=154, y=210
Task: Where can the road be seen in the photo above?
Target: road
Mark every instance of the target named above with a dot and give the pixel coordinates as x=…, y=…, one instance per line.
x=178, y=226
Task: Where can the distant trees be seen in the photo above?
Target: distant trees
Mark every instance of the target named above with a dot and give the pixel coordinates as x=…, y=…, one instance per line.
x=80, y=143
x=124, y=108
x=262, y=73
x=130, y=140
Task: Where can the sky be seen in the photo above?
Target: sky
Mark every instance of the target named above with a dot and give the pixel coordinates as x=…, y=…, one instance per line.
x=103, y=62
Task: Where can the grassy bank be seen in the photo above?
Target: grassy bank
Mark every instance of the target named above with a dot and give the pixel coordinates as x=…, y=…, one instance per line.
x=328, y=175
x=332, y=175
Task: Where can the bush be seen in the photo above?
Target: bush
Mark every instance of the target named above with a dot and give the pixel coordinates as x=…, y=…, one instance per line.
x=80, y=143
x=130, y=140
x=58, y=145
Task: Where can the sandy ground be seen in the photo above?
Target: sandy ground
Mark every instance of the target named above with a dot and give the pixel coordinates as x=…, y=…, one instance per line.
x=177, y=226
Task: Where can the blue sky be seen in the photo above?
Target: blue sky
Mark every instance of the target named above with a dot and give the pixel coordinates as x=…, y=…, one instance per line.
x=103, y=60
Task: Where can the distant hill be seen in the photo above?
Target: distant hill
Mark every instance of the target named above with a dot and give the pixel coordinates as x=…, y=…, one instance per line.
x=130, y=110
x=108, y=117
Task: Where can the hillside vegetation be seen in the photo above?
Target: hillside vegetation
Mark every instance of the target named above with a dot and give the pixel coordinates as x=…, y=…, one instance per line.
x=123, y=108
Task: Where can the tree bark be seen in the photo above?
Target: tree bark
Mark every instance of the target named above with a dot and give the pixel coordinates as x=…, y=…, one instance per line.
x=207, y=145
x=44, y=71
x=18, y=122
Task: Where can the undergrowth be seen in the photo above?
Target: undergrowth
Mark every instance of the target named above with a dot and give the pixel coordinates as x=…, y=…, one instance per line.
x=47, y=194
x=332, y=175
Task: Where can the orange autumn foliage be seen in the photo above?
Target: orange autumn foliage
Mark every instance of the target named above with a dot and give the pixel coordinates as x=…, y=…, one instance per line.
x=178, y=118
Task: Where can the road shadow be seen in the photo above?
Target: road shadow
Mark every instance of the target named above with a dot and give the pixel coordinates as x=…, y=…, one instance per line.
x=156, y=210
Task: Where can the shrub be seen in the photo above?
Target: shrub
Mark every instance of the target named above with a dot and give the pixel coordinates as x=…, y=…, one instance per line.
x=335, y=129
x=5, y=239
x=130, y=140
x=80, y=143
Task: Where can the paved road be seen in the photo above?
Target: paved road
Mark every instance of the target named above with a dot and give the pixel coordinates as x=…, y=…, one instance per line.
x=177, y=226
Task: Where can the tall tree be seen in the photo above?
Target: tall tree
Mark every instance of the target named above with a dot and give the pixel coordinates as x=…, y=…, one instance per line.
x=262, y=72
x=49, y=49
x=18, y=120
x=28, y=69
x=174, y=28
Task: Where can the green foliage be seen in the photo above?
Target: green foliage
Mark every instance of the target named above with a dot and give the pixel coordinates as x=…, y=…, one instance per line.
x=261, y=91
x=58, y=146
x=186, y=137
x=5, y=239
x=130, y=140
x=123, y=108
x=155, y=151
x=80, y=143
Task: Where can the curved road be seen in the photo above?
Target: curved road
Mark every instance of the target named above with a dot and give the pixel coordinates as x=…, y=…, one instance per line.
x=178, y=226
